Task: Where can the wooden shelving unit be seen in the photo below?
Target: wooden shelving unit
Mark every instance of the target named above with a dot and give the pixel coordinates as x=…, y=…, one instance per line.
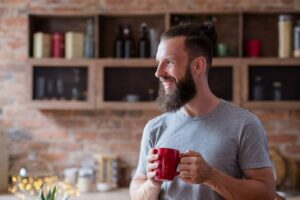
x=67, y=65
x=229, y=78
x=272, y=69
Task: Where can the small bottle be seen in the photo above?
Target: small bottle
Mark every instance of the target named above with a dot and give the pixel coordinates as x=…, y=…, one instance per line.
x=297, y=40
x=277, y=91
x=285, y=36
x=258, y=90
x=119, y=43
x=128, y=43
x=144, y=42
x=89, y=40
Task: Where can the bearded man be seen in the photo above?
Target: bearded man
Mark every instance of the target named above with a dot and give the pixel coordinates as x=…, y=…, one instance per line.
x=225, y=153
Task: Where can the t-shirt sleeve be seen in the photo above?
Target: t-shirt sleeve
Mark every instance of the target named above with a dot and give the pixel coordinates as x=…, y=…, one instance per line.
x=145, y=147
x=253, y=152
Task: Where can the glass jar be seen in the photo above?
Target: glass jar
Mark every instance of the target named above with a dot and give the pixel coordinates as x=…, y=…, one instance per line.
x=285, y=36
x=297, y=40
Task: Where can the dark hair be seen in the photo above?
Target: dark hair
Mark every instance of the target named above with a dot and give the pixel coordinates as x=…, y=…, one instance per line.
x=200, y=39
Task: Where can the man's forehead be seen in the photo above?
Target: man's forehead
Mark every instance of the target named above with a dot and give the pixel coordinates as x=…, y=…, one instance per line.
x=172, y=46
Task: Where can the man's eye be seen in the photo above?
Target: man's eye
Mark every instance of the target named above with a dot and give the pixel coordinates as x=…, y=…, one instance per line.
x=170, y=62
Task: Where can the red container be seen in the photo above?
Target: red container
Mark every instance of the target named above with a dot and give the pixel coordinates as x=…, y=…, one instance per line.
x=253, y=48
x=57, y=45
x=168, y=161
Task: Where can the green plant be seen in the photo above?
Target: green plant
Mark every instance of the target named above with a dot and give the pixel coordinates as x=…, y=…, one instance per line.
x=50, y=195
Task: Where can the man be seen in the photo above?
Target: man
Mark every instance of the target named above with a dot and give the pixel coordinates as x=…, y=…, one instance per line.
x=225, y=154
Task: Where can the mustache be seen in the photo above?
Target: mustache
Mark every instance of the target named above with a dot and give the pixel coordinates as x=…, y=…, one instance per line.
x=167, y=78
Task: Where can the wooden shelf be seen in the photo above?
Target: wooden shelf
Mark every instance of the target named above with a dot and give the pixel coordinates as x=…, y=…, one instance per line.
x=244, y=24
x=272, y=105
x=61, y=105
x=128, y=106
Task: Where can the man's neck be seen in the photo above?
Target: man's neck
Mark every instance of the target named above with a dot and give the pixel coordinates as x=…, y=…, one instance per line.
x=201, y=105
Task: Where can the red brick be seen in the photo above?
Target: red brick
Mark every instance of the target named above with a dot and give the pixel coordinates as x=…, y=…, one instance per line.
x=272, y=115
x=294, y=149
x=50, y=157
x=282, y=138
x=31, y=123
x=16, y=2
x=85, y=135
x=114, y=135
x=64, y=146
x=50, y=134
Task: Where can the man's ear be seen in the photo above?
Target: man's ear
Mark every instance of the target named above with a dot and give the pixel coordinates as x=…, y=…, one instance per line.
x=199, y=65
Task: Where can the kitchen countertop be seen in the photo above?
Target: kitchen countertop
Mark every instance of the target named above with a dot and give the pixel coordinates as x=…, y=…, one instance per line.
x=119, y=194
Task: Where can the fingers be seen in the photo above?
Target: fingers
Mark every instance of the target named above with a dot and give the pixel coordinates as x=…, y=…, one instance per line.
x=151, y=157
x=190, y=153
x=152, y=166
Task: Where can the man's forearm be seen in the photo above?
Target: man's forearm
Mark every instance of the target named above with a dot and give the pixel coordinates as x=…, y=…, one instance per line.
x=235, y=189
x=143, y=190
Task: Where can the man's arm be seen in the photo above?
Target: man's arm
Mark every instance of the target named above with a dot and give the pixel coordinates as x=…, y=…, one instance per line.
x=142, y=188
x=258, y=183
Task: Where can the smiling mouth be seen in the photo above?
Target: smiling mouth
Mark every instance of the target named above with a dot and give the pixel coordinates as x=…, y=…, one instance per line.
x=167, y=82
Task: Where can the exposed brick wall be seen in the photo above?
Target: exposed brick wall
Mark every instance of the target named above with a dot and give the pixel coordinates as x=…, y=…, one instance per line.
x=64, y=138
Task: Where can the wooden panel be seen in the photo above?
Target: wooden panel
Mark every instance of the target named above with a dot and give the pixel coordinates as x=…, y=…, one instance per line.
x=108, y=26
x=4, y=161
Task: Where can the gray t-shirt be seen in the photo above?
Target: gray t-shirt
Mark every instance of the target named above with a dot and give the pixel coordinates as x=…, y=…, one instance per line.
x=229, y=138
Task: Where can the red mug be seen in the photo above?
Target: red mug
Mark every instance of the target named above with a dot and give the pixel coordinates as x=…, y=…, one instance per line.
x=167, y=164
x=253, y=47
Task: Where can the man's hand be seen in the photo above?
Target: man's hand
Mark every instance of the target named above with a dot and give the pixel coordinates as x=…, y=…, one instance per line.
x=193, y=168
x=151, y=166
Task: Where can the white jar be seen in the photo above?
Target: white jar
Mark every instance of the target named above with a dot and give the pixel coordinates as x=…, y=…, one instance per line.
x=85, y=183
x=285, y=36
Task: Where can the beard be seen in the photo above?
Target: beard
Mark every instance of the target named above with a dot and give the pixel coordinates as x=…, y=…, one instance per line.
x=184, y=91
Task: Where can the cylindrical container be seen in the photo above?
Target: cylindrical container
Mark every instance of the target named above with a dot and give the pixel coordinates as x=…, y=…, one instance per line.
x=297, y=40
x=71, y=175
x=285, y=36
x=57, y=45
x=85, y=180
x=277, y=91
x=253, y=47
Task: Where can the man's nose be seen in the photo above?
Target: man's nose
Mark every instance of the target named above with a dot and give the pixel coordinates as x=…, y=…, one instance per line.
x=160, y=72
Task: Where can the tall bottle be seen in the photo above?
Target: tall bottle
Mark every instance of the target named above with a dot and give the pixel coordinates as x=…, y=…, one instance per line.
x=119, y=43
x=128, y=43
x=144, y=42
x=89, y=40
x=285, y=36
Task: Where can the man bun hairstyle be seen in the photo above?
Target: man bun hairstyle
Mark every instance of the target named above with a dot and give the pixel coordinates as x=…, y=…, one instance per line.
x=200, y=39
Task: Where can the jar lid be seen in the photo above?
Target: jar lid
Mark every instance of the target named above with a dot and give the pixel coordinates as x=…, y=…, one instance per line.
x=284, y=17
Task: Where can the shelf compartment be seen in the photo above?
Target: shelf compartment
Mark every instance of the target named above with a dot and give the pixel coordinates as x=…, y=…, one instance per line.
x=62, y=85
x=222, y=21
x=286, y=71
x=116, y=79
x=109, y=23
x=264, y=26
x=50, y=23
